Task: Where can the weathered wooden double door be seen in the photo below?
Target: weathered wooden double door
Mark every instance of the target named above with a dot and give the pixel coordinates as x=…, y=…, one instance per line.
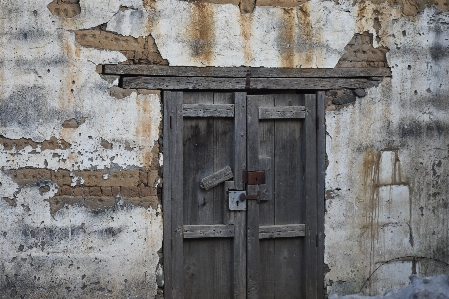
x=240, y=193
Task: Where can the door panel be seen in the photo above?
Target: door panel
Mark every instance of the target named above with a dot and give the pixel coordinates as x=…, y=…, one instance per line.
x=267, y=251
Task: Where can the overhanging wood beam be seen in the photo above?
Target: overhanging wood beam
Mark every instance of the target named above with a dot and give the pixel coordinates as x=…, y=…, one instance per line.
x=241, y=72
x=171, y=83
x=243, y=78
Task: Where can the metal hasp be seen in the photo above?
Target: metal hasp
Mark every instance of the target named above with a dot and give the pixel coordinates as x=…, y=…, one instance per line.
x=253, y=177
x=235, y=202
x=254, y=197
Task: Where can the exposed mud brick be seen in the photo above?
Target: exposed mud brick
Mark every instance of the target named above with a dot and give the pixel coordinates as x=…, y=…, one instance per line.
x=43, y=189
x=106, y=144
x=360, y=52
x=78, y=191
x=30, y=176
x=120, y=93
x=106, y=191
x=65, y=8
x=124, y=178
x=54, y=143
x=70, y=123
x=143, y=178
x=66, y=190
x=16, y=144
x=61, y=177
x=115, y=190
x=93, y=178
x=92, y=191
x=137, y=50
x=130, y=191
x=153, y=176
x=120, y=178
x=148, y=191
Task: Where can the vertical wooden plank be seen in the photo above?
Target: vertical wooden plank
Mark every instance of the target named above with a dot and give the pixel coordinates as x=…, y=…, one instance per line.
x=321, y=168
x=198, y=149
x=253, y=252
x=310, y=164
x=223, y=143
x=173, y=129
x=166, y=192
x=239, y=216
x=289, y=200
x=266, y=208
x=239, y=137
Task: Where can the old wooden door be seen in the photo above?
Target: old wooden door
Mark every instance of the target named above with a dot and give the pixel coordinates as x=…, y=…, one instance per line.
x=260, y=150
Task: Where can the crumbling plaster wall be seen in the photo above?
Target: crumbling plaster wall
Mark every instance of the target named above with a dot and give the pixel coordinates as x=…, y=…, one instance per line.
x=80, y=168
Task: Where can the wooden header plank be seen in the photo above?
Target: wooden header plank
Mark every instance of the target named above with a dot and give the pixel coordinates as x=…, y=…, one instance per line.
x=240, y=83
x=240, y=72
x=208, y=231
x=282, y=112
x=208, y=110
x=282, y=231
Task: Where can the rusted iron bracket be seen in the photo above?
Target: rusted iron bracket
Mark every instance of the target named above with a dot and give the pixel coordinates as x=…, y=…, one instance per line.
x=253, y=177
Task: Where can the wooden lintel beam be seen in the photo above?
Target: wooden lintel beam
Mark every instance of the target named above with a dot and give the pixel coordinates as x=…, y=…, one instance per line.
x=241, y=72
x=201, y=83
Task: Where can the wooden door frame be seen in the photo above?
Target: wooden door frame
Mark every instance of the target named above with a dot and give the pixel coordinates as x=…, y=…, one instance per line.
x=173, y=190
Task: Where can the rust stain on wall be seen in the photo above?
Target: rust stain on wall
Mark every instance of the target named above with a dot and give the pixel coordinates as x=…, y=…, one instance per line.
x=305, y=27
x=370, y=203
x=246, y=25
x=201, y=32
x=287, y=36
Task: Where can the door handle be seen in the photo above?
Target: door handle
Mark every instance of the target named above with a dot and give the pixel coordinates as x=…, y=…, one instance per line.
x=243, y=196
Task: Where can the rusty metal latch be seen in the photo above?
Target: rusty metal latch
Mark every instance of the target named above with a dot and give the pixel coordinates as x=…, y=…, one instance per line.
x=253, y=177
x=253, y=197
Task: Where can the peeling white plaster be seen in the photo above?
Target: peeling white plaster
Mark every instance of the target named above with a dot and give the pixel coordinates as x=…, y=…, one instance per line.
x=397, y=208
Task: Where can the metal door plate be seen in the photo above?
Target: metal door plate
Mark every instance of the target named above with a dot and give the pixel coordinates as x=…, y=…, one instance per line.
x=235, y=204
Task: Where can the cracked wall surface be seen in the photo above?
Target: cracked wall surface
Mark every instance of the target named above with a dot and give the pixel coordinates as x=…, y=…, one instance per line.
x=80, y=175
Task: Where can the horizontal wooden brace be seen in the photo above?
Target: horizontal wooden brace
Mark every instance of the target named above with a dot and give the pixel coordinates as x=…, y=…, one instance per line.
x=282, y=112
x=208, y=231
x=208, y=110
x=241, y=72
x=199, y=83
x=282, y=231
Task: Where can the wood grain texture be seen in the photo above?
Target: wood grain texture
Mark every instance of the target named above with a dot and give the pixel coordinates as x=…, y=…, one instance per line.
x=166, y=194
x=240, y=83
x=173, y=132
x=208, y=231
x=282, y=231
x=253, y=249
x=310, y=163
x=321, y=169
x=216, y=178
x=282, y=112
x=240, y=72
x=212, y=110
x=289, y=200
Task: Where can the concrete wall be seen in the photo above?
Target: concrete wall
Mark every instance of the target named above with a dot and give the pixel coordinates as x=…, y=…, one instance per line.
x=80, y=158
